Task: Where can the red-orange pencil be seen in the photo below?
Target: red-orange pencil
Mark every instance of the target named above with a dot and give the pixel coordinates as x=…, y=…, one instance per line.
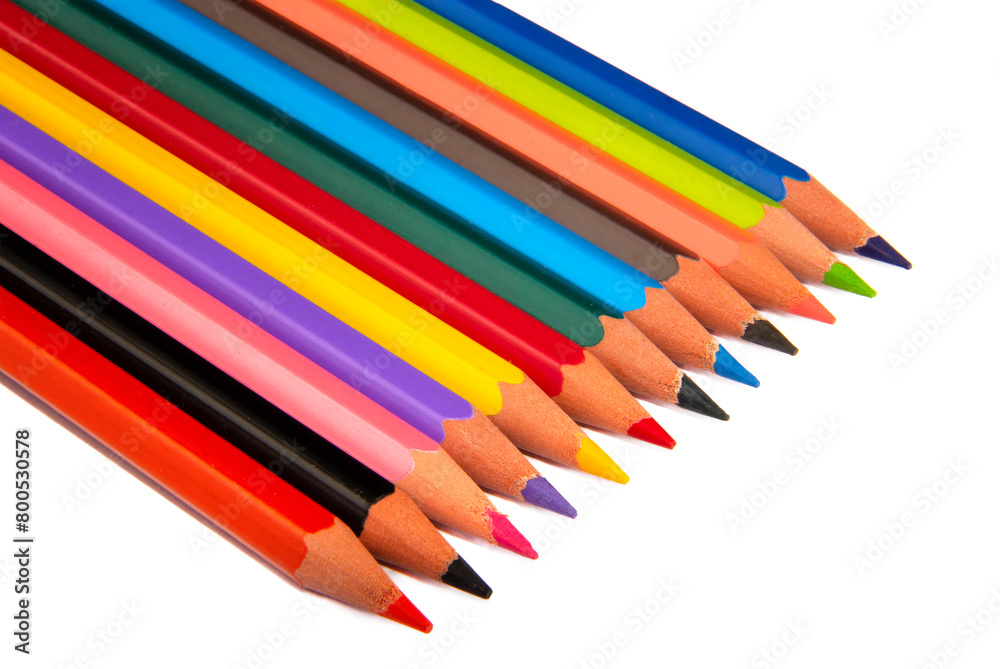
x=576, y=380
x=739, y=256
x=279, y=524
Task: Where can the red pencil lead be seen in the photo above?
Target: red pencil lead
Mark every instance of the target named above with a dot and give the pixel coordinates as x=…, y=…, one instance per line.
x=404, y=612
x=650, y=431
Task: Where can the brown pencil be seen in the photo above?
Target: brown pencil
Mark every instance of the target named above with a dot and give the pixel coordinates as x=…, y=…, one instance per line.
x=687, y=343
x=754, y=271
x=574, y=319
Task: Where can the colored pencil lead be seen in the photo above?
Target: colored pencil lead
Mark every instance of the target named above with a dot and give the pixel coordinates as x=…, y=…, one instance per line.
x=825, y=215
x=507, y=536
x=273, y=243
x=540, y=492
x=680, y=336
x=277, y=522
x=475, y=443
x=716, y=304
x=593, y=460
x=843, y=277
x=650, y=431
x=404, y=612
x=810, y=307
x=877, y=248
x=762, y=332
x=834, y=222
x=460, y=575
x=727, y=366
x=802, y=252
x=635, y=361
x=387, y=520
x=693, y=398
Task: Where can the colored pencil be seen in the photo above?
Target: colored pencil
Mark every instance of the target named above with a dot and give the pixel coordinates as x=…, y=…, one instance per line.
x=710, y=299
x=680, y=336
x=628, y=354
x=619, y=92
x=490, y=459
x=708, y=296
x=473, y=442
x=488, y=209
x=573, y=377
x=277, y=523
x=781, y=232
x=398, y=532
x=499, y=389
x=739, y=256
x=318, y=400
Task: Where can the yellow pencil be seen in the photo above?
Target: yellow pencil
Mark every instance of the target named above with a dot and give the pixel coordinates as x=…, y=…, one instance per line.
x=499, y=389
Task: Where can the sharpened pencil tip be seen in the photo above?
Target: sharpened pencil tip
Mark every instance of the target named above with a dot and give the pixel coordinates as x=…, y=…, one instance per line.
x=763, y=333
x=727, y=366
x=507, y=536
x=652, y=432
x=693, y=398
x=843, y=277
x=404, y=612
x=877, y=248
x=539, y=492
x=592, y=459
x=810, y=307
x=460, y=575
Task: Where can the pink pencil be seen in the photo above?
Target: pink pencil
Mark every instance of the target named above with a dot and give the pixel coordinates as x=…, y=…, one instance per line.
x=290, y=381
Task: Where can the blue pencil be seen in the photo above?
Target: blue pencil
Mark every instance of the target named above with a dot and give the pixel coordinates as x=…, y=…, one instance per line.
x=766, y=172
x=489, y=210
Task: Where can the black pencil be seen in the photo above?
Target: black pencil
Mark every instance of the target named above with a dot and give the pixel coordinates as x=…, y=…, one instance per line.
x=384, y=518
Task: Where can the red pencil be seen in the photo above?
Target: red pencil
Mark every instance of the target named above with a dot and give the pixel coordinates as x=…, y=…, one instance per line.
x=279, y=524
x=573, y=377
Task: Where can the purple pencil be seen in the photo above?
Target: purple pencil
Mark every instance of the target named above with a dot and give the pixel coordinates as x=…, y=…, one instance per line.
x=462, y=430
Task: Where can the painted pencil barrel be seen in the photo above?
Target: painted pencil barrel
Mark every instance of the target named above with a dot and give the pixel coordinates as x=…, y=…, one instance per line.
x=417, y=220
x=621, y=93
x=484, y=206
x=282, y=312
x=296, y=261
x=275, y=521
x=560, y=104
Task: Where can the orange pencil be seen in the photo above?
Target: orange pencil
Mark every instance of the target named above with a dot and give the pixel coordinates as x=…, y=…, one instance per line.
x=737, y=255
x=279, y=524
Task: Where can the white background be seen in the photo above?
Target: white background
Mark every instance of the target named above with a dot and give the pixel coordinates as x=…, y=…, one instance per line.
x=794, y=565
